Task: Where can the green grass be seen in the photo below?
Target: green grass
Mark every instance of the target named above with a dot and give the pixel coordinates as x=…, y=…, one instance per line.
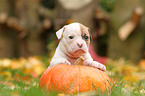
x=119, y=71
x=32, y=89
x=21, y=89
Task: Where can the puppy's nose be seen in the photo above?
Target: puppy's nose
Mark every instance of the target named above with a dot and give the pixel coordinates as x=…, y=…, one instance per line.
x=80, y=45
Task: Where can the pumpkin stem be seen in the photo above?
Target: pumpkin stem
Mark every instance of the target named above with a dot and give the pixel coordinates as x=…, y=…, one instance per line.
x=79, y=61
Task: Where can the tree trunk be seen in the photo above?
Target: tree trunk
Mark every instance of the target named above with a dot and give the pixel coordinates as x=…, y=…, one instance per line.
x=26, y=38
x=132, y=47
x=83, y=14
x=27, y=12
x=8, y=39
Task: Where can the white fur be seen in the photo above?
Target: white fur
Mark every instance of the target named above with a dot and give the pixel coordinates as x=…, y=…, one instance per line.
x=59, y=33
x=68, y=51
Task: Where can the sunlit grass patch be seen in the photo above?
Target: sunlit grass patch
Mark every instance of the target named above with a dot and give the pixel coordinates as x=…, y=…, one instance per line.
x=29, y=88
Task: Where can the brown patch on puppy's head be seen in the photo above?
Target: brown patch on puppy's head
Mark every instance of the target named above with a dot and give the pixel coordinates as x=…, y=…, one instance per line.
x=85, y=33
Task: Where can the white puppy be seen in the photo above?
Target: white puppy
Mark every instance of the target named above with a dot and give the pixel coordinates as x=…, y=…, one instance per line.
x=74, y=42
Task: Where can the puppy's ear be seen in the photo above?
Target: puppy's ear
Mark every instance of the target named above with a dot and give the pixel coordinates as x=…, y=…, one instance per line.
x=60, y=32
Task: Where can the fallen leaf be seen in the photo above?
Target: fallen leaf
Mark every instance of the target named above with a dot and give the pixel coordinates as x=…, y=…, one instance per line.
x=38, y=69
x=16, y=65
x=5, y=62
x=6, y=73
x=141, y=64
x=19, y=78
x=131, y=78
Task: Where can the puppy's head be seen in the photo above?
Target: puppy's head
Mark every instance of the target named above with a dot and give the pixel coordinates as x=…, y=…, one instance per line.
x=75, y=39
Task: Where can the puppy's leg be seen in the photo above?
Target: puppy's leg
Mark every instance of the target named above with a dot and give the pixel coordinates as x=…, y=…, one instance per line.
x=89, y=62
x=56, y=61
x=95, y=64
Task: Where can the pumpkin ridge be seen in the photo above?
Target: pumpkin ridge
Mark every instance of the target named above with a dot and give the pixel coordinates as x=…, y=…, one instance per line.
x=43, y=78
x=74, y=72
x=64, y=83
x=79, y=75
x=59, y=76
x=47, y=77
x=105, y=81
x=72, y=83
x=91, y=76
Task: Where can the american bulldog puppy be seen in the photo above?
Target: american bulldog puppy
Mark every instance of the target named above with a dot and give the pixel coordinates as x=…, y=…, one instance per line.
x=74, y=42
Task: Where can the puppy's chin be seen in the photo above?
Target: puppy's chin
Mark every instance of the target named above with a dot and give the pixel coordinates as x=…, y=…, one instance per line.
x=77, y=53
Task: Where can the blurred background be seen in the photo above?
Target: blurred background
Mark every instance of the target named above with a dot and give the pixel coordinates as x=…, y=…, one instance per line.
x=28, y=41
x=27, y=27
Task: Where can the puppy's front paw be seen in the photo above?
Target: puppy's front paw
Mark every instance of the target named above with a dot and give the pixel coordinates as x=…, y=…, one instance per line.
x=96, y=65
x=64, y=61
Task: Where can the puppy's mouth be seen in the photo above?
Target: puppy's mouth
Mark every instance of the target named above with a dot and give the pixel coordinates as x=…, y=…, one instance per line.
x=79, y=51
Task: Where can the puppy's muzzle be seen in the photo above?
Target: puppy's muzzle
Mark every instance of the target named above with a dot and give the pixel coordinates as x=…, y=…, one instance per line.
x=80, y=45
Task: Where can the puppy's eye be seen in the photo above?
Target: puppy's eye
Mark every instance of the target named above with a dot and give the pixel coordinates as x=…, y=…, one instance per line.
x=86, y=37
x=71, y=37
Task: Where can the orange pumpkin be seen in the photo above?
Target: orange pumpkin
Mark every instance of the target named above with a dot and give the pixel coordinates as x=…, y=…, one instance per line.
x=74, y=78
